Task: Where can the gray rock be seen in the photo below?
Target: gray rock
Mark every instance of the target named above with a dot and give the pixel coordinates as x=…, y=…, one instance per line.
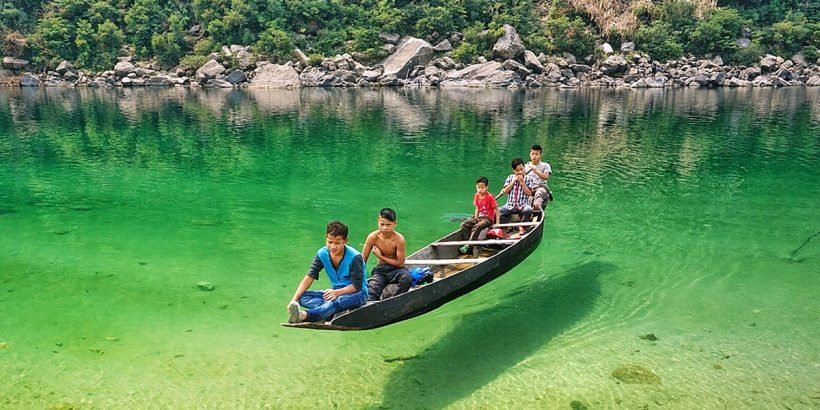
x=607, y=48
x=389, y=48
x=126, y=81
x=785, y=74
x=531, y=62
x=209, y=70
x=614, y=64
x=123, y=68
x=236, y=77
x=737, y=82
x=410, y=52
x=302, y=57
x=762, y=81
x=702, y=79
x=159, y=81
x=569, y=58
x=372, y=75
x=717, y=60
x=628, y=47
x=443, y=45
x=244, y=58
x=508, y=46
x=391, y=38
x=29, y=80
x=276, y=76
x=71, y=75
x=490, y=74
x=580, y=68
x=814, y=81
x=519, y=68
x=14, y=63
x=743, y=42
x=768, y=64
x=63, y=67
x=718, y=79
x=750, y=73
x=218, y=83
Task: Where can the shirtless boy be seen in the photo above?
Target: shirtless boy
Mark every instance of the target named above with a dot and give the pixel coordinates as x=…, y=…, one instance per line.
x=390, y=277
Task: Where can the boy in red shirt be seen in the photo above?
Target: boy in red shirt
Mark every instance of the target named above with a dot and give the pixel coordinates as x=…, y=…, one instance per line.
x=486, y=213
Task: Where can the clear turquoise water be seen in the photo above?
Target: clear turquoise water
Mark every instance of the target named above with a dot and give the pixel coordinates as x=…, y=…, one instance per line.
x=688, y=214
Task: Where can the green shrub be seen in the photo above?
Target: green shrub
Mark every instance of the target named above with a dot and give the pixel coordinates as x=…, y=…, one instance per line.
x=717, y=33
x=659, y=41
x=193, y=61
x=748, y=56
x=573, y=36
x=275, y=43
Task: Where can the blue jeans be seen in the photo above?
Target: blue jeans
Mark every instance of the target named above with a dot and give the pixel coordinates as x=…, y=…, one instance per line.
x=319, y=310
x=525, y=212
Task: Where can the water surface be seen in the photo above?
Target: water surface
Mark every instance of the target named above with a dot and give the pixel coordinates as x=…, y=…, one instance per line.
x=691, y=215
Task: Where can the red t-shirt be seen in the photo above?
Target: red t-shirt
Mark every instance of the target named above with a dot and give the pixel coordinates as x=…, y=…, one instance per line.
x=486, y=206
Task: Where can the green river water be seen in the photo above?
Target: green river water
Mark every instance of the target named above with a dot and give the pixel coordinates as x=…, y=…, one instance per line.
x=690, y=215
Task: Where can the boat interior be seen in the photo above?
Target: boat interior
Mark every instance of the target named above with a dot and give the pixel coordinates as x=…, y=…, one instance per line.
x=451, y=255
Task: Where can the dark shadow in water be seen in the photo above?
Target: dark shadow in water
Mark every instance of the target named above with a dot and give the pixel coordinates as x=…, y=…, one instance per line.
x=485, y=344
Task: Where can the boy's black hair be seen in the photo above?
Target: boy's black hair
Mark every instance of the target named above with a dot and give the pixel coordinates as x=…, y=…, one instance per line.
x=537, y=147
x=388, y=213
x=516, y=162
x=483, y=180
x=337, y=228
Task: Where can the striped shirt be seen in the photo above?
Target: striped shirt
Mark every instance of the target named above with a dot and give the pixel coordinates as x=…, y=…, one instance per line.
x=517, y=198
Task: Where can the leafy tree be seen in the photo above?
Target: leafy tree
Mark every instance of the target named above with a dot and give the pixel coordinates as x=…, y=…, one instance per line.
x=793, y=34
x=143, y=20
x=717, y=33
x=658, y=39
x=276, y=43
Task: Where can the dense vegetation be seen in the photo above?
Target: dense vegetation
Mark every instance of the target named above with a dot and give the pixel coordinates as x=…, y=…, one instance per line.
x=93, y=33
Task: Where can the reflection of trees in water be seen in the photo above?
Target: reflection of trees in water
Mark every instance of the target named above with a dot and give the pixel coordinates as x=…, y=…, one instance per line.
x=595, y=132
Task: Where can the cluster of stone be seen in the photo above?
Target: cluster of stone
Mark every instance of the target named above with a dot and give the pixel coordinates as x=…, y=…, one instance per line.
x=416, y=62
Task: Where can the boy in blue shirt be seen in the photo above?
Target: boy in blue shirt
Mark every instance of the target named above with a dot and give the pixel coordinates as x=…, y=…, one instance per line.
x=345, y=269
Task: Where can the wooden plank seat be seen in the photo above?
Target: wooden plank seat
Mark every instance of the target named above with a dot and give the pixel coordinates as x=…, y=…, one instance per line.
x=515, y=224
x=482, y=242
x=415, y=262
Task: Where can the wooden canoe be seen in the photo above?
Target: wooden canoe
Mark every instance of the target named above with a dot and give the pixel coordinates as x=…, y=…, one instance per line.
x=454, y=276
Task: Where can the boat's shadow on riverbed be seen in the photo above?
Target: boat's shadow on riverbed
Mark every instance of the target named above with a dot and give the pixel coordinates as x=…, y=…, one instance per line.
x=485, y=344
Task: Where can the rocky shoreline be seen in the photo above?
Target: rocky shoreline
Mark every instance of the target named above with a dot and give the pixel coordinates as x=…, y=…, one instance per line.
x=415, y=62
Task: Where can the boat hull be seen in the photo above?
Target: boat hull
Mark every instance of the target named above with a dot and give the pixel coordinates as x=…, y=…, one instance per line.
x=423, y=299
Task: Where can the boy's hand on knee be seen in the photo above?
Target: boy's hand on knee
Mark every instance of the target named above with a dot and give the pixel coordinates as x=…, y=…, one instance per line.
x=330, y=295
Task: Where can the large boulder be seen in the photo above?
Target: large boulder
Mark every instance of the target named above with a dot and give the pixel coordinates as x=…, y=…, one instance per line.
x=614, y=65
x=236, y=77
x=64, y=67
x=409, y=53
x=768, y=64
x=531, y=62
x=29, y=80
x=14, y=63
x=813, y=81
x=301, y=57
x=275, y=76
x=123, y=68
x=209, y=70
x=491, y=74
x=159, y=81
x=509, y=45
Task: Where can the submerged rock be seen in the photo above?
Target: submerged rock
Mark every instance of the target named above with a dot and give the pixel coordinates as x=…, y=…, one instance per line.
x=649, y=336
x=205, y=286
x=634, y=374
